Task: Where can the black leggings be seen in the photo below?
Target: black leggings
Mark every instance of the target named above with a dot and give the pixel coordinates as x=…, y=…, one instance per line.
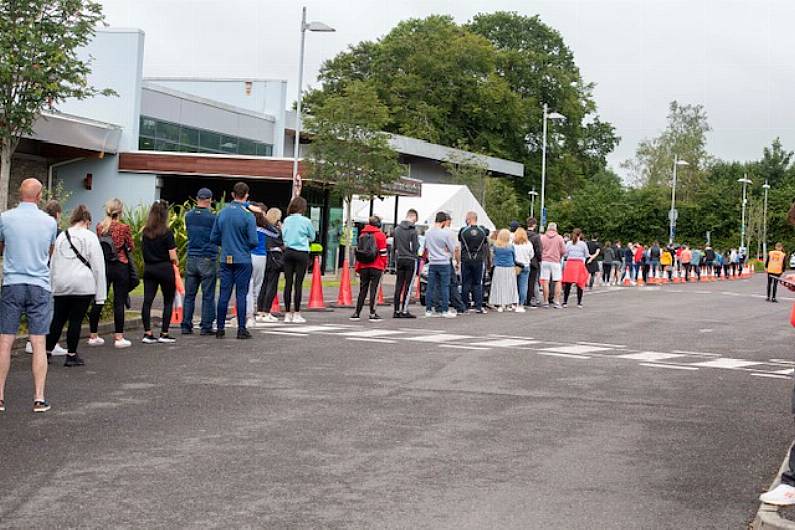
x=158, y=275
x=406, y=269
x=71, y=309
x=269, y=286
x=772, y=284
x=117, y=275
x=567, y=291
x=369, y=278
x=607, y=266
x=295, y=262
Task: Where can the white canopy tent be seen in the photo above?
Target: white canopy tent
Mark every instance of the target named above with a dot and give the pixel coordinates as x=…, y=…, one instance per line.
x=454, y=199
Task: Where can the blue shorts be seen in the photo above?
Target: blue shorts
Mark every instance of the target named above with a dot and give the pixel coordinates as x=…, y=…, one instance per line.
x=31, y=300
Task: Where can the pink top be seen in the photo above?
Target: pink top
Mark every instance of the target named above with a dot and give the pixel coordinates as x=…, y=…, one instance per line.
x=552, y=246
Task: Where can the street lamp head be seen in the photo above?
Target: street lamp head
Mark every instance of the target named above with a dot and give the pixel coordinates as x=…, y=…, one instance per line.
x=555, y=116
x=532, y=193
x=744, y=180
x=682, y=163
x=766, y=185
x=319, y=27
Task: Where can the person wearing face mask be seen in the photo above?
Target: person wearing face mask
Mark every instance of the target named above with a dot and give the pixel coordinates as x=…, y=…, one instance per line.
x=371, y=261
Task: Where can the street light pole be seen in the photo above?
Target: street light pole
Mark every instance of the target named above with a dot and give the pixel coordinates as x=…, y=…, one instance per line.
x=532, y=193
x=673, y=214
x=745, y=181
x=766, y=187
x=547, y=116
x=311, y=26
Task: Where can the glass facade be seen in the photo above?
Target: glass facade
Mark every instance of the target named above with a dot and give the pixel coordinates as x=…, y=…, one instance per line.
x=159, y=135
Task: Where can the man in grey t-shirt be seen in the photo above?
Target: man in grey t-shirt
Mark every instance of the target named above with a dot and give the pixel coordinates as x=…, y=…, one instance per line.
x=441, y=247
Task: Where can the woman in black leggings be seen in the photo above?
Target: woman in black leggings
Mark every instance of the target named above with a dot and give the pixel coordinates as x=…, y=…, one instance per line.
x=273, y=264
x=297, y=232
x=160, y=256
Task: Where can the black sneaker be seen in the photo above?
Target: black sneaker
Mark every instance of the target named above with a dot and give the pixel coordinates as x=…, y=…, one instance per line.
x=397, y=314
x=374, y=316
x=165, y=338
x=244, y=334
x=149, y=339
x=354, y=316
x=73, y=360
x=408, y=315
x=206, y=332
x=187, y=331
x=41, y=406
x=774, y=300
x=220, y=334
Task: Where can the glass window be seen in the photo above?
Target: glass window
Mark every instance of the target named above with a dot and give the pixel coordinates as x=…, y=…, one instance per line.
x=264, y=149
x=209, y=140
x=162, y=145
x=146, y=144
x=147, y=127
x=167, y=131
x=247, y=147
x=188, y=136
x=229, y=144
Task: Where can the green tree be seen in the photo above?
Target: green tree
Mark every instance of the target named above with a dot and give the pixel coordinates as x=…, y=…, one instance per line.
x=502, y=203
x=349, y=151
x=469, y=171
x=40, y=66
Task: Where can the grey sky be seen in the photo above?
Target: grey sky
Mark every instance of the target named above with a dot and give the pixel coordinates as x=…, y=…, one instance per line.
x=735, y=57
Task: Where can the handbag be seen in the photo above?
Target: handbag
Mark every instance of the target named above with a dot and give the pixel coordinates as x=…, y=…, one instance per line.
x=134, y=279
x=74, y=249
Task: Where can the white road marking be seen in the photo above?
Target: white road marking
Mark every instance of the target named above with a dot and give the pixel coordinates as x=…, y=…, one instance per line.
x=310, y=329
x=727, y=363
x=505, y=343
x=773, y=376
x=602, y=344
x=788, y=371
x=783, y=361
x=284, y=333
x=371, y=333
x=650, y=356
x=671, y=366
x=705, y=330
x=441, y=337
x=463, y=347
x=510, y=337
x=566, y=355
x=705, y=354
x=368, y=339
x=575, y=349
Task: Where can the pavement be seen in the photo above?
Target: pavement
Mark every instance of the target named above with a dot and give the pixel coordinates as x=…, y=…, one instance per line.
x=657, y=407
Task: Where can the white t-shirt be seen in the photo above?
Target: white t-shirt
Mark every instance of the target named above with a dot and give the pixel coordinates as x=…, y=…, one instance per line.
x=524, y=253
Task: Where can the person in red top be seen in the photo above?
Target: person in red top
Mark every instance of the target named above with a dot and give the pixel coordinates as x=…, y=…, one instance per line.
x=637, y=261
x=370, y=264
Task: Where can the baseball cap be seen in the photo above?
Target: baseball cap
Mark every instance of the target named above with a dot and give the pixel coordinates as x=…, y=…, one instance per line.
x=204, y=194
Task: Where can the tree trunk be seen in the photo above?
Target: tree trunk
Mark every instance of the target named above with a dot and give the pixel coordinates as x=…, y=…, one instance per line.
x=5, y=173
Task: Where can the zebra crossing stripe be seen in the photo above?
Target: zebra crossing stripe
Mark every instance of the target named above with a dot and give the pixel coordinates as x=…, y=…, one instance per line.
x=576, y=349
x=727, y=363
x=671, y=366
x=505, y=343
x=440, y=337
x=650, y=356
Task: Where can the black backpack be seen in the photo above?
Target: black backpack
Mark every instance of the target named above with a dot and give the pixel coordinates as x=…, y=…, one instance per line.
x=108, y=247
x=366, y=248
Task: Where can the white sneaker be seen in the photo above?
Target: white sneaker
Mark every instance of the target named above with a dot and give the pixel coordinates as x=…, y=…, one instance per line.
x=298, y=319
x=781, y=495
x=96, y=341
x=448, y=314
x=499, y=309
x=268, y=318
x=519, y=309
x=288, y=318
x=453, y=311
x=431, y=314
x=57, y=350
x=28, y=347
x=121, y=343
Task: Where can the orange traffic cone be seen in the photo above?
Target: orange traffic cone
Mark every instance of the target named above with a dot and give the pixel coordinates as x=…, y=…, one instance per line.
x=316, y=292
x=345, y=298
x=380, y=300
x=179, y=296
x=275, y=308
x=627, y=281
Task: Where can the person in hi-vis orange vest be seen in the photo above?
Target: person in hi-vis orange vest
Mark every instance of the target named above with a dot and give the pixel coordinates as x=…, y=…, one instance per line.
x=774, y=265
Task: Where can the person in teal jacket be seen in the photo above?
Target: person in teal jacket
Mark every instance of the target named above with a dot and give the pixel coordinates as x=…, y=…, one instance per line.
x=235, y=231
x=297, y=232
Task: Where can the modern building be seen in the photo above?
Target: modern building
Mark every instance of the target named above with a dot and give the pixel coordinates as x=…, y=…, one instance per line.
x=164, y=138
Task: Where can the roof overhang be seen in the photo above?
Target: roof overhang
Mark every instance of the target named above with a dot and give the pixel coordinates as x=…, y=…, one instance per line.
x=73, y=131
x=233, y=166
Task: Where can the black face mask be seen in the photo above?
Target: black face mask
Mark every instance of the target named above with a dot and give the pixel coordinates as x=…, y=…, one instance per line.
x=377, y=225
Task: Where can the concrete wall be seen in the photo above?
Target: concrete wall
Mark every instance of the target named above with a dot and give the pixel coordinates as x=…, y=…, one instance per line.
x=132, y=188
x=22, y=167
x=118, y=64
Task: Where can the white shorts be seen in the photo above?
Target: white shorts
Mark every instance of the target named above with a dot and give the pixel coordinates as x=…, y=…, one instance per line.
x=551, y=270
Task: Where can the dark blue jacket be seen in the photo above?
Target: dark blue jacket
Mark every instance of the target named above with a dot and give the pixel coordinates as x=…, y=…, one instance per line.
x=199, y=225
x=235, y=231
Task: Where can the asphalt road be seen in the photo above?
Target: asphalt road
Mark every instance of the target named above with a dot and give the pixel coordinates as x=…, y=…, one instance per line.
x=635, y=412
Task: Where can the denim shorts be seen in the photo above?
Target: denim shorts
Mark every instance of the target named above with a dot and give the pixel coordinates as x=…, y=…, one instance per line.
x=31, y=300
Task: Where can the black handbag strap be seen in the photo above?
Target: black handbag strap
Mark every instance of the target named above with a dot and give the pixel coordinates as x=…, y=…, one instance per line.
x=74, y=249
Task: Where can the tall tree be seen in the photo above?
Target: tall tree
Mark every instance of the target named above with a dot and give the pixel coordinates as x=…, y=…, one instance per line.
x=349, y=149
x=685, y=137
x=40, y=66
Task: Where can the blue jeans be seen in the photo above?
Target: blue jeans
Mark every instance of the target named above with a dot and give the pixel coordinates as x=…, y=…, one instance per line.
x=635, y=270
x=237, y=276
x=472, y=282
x=438, y=278
x=200, y=271
x=521, y=281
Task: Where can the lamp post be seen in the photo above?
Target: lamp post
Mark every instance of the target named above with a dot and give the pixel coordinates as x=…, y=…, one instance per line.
x=745, y=182
x=672, y=215
x=305, y=26
x=766, y=187
x=547, y=116
x=532, y=194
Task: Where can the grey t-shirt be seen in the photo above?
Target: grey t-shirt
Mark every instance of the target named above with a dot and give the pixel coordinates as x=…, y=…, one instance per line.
x=440, y=244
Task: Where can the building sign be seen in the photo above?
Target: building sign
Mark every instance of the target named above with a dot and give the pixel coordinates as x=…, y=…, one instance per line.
x=404, y=186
